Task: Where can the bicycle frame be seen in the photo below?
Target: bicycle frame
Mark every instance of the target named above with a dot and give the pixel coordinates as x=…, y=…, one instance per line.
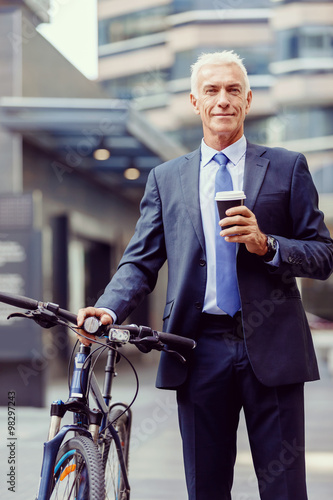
x=78, y=404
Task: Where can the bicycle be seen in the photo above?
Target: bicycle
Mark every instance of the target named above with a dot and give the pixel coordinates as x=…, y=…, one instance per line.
x=92, y=464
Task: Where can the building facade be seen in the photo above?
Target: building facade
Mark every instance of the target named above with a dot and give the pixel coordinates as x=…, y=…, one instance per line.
x=303, y=95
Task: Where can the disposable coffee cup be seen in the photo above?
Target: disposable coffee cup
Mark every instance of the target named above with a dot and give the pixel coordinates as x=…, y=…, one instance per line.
x=228, y=199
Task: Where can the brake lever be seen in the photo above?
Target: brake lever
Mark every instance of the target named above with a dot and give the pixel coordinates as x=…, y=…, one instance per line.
x=141, y=344
x=175, y=354
x=43, y=317
x=157, y=345
x=27, y=314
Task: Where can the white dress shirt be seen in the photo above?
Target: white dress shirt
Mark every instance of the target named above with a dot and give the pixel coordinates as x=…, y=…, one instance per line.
x=208, y=168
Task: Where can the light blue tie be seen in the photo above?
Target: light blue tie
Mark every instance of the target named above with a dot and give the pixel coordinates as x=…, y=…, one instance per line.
x=227, y=294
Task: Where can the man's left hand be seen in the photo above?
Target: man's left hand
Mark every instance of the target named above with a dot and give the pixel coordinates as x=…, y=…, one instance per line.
x=245, y=229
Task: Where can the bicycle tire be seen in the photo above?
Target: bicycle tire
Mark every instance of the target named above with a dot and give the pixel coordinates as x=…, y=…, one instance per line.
x=114, y=482
x=78, y=471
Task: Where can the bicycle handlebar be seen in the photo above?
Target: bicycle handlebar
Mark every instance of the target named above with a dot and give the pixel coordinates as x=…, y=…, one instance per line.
x=32, y=305
x=19, y=301
x=141, y=333
x=144, y=332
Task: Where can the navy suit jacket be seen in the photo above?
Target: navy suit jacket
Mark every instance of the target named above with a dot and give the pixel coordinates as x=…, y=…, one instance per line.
x=280, y=192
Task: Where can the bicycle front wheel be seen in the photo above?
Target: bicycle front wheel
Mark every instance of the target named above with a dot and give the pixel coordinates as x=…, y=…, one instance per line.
x=78, y=472
x=114, y=480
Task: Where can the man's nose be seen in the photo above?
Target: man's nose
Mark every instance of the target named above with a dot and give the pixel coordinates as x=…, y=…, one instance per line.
x=223, y=99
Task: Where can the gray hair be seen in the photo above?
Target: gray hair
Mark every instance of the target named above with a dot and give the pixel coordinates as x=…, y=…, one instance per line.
x=225, y=57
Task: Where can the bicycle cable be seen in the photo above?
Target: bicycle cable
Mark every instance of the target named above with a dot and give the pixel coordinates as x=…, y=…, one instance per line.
x=94, y=362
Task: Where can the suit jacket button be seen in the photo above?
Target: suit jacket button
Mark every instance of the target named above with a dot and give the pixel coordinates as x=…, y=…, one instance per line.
x=197, y=305
x=202, y=262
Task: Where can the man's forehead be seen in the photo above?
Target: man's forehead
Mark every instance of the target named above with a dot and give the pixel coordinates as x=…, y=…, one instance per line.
x=227, y=72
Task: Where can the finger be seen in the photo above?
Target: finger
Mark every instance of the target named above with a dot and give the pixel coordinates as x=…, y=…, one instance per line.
x=86, y=312
x=86, y=341
x=83, y=341
x=239, y=209
x=106, y=319
x=236, y=220
x=81, y=316
x=235, y=231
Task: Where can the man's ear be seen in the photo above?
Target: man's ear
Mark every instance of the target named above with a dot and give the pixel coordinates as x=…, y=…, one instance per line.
x=249, y=100
x=194, y=102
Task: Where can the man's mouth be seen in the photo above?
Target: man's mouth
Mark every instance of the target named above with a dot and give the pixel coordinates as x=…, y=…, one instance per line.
x=223, y=114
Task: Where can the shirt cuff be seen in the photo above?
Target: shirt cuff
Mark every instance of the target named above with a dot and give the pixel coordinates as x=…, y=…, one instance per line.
x=276, y=261
x=110, y=312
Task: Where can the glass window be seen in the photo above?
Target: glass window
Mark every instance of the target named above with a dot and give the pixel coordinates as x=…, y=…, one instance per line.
x=316, y=41
x=306, y=41
x=182, y=5
x=256, y=129
x=183, y=61
x=151, y=82
x=256, y=60
x=135, y=24
x=185, y=5
x=301, y=124
x=302, y=1
x=323, y=179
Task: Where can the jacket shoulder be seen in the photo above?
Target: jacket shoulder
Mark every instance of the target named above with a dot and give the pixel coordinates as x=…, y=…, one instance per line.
x=172, y=165
x=275, y=152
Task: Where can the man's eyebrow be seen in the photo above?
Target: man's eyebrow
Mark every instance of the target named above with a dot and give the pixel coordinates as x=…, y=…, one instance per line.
x=234, y=84
x=210, y=85
x=227, y=84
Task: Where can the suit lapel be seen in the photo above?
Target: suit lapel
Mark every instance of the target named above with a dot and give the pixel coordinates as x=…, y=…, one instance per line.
x=189, y=180
x=255, y=170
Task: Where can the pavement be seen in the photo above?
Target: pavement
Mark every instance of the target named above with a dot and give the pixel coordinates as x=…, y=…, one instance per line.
x=156, y=469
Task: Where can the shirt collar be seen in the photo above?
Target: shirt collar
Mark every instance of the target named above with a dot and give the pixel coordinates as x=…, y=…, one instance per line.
x=234, y=152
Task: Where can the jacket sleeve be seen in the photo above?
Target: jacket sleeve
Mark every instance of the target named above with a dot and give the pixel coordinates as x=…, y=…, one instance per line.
x=144, y=256
x=309, y=253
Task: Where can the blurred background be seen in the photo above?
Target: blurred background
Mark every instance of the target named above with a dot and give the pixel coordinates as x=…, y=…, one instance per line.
x=77, y=141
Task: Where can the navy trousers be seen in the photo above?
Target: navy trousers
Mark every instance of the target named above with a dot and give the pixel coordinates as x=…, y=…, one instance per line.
x=221, y=382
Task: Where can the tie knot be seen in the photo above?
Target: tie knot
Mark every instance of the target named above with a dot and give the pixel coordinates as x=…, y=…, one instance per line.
x=221, y=159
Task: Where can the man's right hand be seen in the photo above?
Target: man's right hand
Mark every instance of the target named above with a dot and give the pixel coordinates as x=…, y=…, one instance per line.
x=85, y=313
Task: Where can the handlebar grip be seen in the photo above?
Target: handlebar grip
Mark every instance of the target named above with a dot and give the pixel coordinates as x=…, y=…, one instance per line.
x=32, y=304
x=19, y=301
x=175, y=341
x=67, y=315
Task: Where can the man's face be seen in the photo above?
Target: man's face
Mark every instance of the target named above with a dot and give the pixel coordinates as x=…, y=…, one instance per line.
x=221, y=103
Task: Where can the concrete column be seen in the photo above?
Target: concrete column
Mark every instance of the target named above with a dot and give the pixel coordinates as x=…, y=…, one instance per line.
x=10, y=85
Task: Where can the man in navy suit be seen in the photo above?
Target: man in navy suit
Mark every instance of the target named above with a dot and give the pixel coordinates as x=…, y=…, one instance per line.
x=259, y=356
